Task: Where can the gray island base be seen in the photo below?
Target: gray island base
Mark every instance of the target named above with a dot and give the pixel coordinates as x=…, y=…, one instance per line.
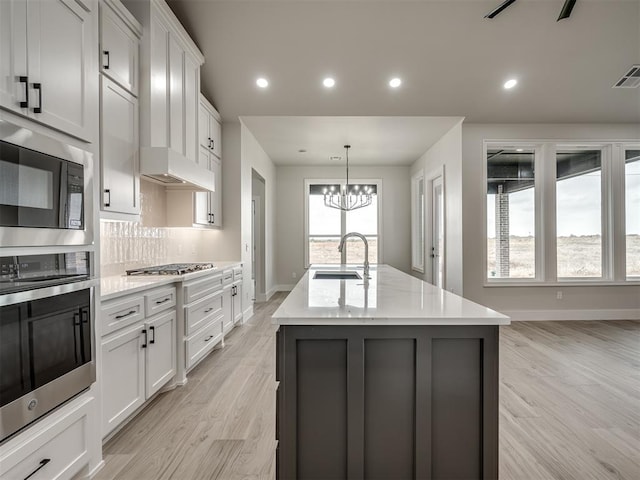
x=366, y=393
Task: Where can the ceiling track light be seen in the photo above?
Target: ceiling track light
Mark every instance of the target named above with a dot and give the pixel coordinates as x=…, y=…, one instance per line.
x=566, y=9
x=500, y=8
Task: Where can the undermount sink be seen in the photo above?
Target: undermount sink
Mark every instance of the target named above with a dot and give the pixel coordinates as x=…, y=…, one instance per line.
x=337, y=275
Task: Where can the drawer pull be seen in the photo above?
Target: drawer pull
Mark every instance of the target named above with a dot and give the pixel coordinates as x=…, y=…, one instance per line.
x=208, y=338
x=43, y=462
x=165, y=300
x=208, y=310
x=131, y=312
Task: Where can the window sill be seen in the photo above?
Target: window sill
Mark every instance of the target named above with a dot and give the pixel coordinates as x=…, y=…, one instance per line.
x=566, y=283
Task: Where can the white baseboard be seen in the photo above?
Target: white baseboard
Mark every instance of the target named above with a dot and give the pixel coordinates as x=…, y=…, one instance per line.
x=247, y=314
x=560, y=315
x=97, y=468
x=283, y=288
x=271, y=293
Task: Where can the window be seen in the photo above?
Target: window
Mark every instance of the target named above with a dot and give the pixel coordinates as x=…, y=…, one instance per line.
x=579, y=213
x=561, y=212
x=632, y=211
x=417, y=222
x=326, y=226
x=511, y=220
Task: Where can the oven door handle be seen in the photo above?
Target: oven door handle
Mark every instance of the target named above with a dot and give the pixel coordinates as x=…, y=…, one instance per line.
x=43, y=462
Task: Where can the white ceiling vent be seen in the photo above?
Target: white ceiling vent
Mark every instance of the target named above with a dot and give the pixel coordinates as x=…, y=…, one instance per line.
x=631, y=79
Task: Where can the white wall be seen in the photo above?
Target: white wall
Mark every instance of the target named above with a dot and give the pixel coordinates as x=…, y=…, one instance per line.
x=533, y=302
x=445, y=154
x=255, y=158
x=395, y=205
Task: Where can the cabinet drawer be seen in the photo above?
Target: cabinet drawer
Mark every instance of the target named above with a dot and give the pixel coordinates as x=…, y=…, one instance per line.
x=202, y=288
x=60, y=451
x=237, y=273
x=203, y=311
x=121, y=313
x=159, y=300
x=227, y=277
x=200, y=344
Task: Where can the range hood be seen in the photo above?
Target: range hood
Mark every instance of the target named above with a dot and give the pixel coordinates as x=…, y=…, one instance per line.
x=166, y=166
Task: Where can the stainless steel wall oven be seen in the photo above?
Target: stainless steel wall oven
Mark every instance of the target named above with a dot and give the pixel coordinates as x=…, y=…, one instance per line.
x=44, y=187
x=47, y=310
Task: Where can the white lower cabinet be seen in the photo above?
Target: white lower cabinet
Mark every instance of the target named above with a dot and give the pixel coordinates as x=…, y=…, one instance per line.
x=58, y=451
x=139, y=360
x=123, y=385
x=160, y=353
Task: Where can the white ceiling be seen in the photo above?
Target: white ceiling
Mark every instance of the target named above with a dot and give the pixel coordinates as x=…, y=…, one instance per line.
x=373, y=140
x=452, y=60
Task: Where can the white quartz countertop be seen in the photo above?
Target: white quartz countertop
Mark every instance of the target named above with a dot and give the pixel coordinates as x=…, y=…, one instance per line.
x=390, y=298
x=118, y=285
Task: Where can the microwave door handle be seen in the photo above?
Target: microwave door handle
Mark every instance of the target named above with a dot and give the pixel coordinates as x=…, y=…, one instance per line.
x=63, y=214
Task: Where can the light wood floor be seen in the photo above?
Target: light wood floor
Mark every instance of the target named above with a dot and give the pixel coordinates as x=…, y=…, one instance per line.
x=569, y=408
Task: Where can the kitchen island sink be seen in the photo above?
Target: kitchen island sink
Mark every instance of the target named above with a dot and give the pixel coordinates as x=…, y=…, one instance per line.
x=336, y=275
x=388, y=378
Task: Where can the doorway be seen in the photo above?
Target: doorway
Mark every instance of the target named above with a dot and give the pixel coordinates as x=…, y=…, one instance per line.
x=438, y=252
x=258, y=192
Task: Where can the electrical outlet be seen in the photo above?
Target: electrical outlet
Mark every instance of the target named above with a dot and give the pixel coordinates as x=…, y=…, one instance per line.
x=559, y=295
x=294, y=275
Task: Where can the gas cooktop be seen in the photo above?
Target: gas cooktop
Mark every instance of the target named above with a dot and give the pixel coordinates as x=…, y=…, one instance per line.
x=172, y=269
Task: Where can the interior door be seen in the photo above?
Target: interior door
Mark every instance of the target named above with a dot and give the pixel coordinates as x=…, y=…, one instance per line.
x=437, y=234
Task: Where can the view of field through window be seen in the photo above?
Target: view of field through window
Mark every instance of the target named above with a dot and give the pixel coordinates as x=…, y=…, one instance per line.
x=632, y=211
x=327, y=225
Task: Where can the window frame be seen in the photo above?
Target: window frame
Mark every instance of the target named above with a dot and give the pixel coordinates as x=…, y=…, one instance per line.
x=612, y=212
x=539, y=265
x=314, y=181
x=418, y=240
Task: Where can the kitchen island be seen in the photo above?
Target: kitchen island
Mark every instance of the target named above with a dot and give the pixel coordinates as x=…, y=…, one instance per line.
x=388, y=377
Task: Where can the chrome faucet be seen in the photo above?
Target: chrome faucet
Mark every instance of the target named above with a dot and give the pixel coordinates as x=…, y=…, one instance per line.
x=366, y=249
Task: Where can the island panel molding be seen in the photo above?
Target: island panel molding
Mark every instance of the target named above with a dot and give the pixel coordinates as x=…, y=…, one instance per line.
x=408, y=401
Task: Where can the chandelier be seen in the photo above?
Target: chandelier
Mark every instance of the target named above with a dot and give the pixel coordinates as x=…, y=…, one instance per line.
x=348, y=197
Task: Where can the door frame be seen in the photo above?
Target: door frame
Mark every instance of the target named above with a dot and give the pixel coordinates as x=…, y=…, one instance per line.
x=433, y=176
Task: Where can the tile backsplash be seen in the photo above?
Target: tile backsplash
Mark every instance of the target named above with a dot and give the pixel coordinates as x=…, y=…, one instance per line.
x=126, y=245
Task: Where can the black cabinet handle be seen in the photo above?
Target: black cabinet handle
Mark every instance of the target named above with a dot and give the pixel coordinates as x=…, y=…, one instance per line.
x=38, y=109
x=208, y=310
x=153, y=339
x=107, y=194
x=213, y=215
x=106, y=54
x=164, y=300
x=144, y=331
x=208, y=338
x=213, y=144
x=130, y=312
x=25, y=80
x=43, y=462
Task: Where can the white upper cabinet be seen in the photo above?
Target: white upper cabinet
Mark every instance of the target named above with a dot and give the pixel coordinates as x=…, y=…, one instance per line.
x=46, y=59
x=119, y=149
x=120, y=36
x=210, y=130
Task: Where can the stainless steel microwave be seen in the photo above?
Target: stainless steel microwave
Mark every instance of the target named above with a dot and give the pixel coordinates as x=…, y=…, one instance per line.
x=45, y=193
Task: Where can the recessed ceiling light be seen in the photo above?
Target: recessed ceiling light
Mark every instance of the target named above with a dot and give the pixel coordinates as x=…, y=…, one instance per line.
x=329, y=82
x=302, y=150
x=395, y=82
x=262, y=82
x=335, y=159
x=509, y=84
